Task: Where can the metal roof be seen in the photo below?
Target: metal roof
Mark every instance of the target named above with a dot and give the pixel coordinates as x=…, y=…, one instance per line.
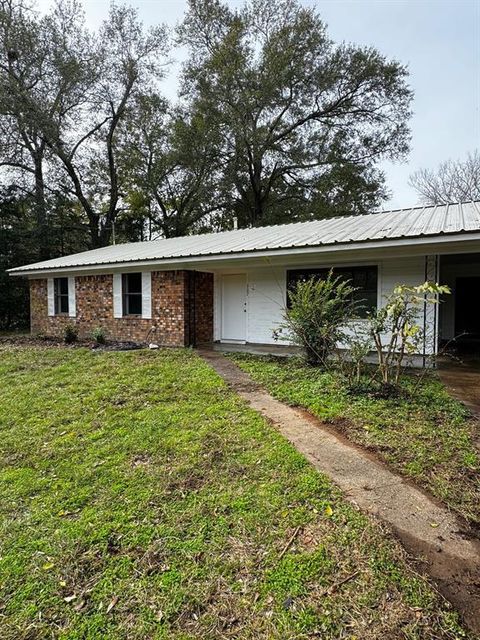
x=387, y=225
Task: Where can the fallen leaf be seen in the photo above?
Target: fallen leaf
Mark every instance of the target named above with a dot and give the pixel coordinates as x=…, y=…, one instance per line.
x=434, y=524
x=47, y=566
x=113, y=602
x=328, y=511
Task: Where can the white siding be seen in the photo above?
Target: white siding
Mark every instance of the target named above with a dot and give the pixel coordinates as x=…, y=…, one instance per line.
x=266, y=301
x=267, y=294
x=266, y=288
x=409, y=271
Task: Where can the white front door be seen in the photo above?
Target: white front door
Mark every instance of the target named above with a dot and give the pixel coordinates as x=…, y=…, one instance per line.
x=234, y=307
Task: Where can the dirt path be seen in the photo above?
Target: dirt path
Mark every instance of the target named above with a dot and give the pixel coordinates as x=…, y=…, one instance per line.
x=449, y=552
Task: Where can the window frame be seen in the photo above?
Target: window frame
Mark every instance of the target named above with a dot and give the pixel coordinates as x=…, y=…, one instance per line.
x=59, y=296
x=127, y=295
x=338, y=270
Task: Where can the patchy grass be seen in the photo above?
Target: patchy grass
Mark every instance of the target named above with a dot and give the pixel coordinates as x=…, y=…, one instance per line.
x=141, y=499
x=423, y=432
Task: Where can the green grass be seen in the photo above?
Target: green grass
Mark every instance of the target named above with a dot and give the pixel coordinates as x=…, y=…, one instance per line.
x=424, y=433
x=140, y=498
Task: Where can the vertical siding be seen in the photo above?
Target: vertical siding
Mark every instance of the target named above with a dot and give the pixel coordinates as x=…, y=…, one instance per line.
x=266, y=288
x=267, y=293
x=266, y=301
x=410, y=271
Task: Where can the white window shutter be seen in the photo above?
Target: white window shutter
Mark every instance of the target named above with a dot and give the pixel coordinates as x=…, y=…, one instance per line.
x=117, y=295
x=72, y=302
x=146, y=294
x=51, y=297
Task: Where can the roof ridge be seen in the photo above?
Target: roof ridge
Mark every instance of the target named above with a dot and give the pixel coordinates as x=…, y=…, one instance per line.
x=316, y=220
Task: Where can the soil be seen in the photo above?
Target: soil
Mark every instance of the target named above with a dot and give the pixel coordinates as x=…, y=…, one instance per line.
x=446, y=548
x=47, y=341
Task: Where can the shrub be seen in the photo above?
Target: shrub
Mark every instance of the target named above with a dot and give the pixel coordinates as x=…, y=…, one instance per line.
x=395, y=330
x=360, y=344
x=98, y=334
x=318, y=314
x=70, y=333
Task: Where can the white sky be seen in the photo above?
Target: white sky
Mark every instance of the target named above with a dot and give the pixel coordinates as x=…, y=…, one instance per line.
x=439, y=40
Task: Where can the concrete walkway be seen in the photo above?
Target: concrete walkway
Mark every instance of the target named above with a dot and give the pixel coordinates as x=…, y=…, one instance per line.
x=449, y=551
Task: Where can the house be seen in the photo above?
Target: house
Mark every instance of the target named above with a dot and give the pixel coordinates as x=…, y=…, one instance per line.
x=232, y=286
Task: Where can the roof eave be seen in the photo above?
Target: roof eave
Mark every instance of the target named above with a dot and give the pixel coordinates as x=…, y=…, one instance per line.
x=169, y=263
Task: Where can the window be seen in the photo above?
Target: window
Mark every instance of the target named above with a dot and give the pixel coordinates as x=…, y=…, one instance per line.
x=60, y=292
x=363, y=278
x=132, y=294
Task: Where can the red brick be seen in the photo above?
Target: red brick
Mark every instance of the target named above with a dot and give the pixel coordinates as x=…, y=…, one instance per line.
x=182, y=309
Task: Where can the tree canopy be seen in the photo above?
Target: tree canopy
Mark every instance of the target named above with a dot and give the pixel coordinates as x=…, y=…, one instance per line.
x=303, y=121
x=273, y=122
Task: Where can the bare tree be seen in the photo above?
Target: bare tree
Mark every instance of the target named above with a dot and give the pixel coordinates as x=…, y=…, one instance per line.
x=453, y=181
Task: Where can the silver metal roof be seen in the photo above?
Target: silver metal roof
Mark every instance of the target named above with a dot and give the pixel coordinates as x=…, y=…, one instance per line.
x=387, y=225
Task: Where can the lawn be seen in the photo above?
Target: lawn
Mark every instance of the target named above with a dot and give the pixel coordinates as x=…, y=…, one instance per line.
x=141, y=498
x=423, y=432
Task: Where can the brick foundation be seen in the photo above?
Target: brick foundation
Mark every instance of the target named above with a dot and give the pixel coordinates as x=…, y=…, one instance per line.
x=182, y=309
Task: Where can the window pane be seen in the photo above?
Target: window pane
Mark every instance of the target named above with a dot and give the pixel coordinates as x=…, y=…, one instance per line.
x=64, y=304
x=134, y=304
x=132, y=294
x=362, y=278
x=133, y=283
x=60, y=286
x=63, y=286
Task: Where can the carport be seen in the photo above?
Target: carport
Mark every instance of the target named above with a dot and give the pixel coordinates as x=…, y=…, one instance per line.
x=459, y=319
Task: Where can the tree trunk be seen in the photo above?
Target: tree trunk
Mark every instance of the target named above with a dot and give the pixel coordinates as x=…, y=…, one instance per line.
x=256, y=182
x=95, y=234
x=43, y=242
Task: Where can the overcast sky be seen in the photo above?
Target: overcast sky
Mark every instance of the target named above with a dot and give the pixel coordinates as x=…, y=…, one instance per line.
x=439, y=40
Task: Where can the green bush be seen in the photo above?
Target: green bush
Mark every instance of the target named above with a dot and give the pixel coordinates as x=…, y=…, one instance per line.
x=318, y=313
x=396, y=327
x=98, y=334
x=70, y=333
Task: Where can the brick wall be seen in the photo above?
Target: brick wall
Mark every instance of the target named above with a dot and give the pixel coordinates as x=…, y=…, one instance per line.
x=202, y=320
x=175, y=306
